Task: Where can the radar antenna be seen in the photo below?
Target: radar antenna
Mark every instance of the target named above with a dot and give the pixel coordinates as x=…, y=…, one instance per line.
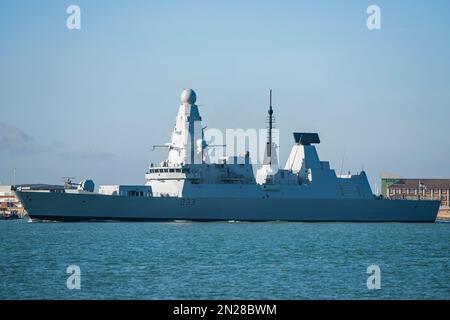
x=269, y=145
x=160, y=146
x=269, y=150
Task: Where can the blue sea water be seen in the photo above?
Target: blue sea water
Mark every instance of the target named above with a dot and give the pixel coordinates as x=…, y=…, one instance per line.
x=224, y=260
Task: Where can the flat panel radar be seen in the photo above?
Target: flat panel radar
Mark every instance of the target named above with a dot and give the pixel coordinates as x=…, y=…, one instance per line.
x=305, y=138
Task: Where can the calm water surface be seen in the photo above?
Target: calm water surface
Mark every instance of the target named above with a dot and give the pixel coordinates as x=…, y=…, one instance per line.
x=226, y=260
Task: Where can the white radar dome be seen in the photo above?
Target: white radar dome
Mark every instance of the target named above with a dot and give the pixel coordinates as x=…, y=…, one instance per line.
x=86, y=185
x=188, y=96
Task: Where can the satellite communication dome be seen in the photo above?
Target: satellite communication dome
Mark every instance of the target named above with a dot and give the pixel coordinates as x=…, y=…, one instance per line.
x=188, y=96
x=86, y=185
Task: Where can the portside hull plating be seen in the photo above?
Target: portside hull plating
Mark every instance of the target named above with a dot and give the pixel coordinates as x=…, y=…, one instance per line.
x=85, y=207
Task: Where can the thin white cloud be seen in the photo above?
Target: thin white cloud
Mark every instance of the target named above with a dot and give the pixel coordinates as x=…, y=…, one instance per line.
x=90, y=155
x=16, y=141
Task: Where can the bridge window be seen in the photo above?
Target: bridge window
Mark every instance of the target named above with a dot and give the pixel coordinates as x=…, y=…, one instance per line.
x=134, y=193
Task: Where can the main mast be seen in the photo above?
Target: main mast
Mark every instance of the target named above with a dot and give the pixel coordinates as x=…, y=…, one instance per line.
x=269, y=143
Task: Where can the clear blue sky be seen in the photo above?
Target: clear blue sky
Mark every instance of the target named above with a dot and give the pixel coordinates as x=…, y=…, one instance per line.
x=92, y=102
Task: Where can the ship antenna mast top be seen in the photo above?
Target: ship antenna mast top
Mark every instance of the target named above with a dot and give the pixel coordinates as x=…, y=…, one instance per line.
x=269, y=150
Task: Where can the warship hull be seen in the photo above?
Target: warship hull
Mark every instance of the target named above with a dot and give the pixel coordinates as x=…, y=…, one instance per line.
x=92, y=207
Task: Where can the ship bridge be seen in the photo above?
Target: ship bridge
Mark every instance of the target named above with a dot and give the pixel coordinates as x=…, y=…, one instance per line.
x=187, y=162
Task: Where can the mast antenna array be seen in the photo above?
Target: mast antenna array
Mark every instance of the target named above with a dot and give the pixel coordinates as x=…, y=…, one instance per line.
x=269, y=149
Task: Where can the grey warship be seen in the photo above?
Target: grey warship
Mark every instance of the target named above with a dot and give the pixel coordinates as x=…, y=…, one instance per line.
x=185, y=186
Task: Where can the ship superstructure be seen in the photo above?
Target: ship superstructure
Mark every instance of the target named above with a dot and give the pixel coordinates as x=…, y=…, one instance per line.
x=186, y=173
